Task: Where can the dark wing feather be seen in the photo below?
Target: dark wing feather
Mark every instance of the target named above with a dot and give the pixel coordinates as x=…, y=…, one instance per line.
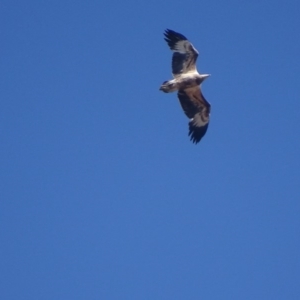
x=197, y=109
x=185, y=55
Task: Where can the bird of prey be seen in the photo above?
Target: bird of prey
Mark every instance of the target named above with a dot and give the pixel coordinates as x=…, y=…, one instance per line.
x=187, y=82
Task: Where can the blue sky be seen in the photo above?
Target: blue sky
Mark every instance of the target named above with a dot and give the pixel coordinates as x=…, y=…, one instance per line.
x=103, y=196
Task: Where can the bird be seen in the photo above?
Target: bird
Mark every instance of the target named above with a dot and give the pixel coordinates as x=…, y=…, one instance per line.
x=187, y=82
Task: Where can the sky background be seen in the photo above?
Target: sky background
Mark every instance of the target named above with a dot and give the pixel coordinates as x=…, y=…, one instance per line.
x=103, y=196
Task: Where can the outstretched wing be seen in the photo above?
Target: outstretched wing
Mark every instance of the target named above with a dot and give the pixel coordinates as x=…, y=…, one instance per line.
x=197, y=109
x=185, y=55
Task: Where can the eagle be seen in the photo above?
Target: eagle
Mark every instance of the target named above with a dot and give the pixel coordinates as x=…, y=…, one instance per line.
x=187, y=82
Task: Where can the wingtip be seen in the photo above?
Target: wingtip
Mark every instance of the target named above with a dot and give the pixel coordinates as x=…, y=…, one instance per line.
x=197, y=133
x=173, y=35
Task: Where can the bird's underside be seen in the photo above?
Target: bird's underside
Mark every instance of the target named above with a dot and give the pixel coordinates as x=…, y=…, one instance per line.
x=187, y=82
x=190, y=80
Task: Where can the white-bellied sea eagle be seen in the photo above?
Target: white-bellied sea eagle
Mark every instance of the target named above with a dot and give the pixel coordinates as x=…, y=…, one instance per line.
x=187, y=81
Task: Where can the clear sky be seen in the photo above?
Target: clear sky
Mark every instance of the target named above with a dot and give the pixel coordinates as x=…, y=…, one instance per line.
x=103, y=196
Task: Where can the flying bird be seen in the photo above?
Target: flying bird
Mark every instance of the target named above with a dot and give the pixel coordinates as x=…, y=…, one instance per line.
x=187, y=81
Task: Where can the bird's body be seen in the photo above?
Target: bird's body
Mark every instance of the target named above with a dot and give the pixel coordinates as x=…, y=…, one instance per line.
x=187, y=82
x=182, y=82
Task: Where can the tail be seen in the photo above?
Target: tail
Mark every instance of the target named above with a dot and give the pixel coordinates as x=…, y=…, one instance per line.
x=168, y=86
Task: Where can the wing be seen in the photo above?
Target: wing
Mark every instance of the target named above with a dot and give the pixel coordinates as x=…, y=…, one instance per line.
x=197, y=109
x=184, y=56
